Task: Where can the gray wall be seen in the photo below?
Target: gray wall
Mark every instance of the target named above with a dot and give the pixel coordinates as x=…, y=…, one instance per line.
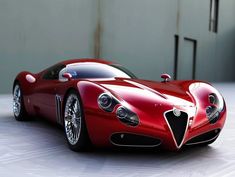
x=215, y=51
x=139, y=34
x=37, y=33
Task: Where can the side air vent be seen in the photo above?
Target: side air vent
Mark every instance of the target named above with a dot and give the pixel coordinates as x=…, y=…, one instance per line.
x=177, y=122
x=206, y=137
x=59, y=116
x=133, y=140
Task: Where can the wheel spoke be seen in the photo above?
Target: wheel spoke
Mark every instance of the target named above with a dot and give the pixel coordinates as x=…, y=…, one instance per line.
x=16, y=100
x=72, y=119
x=68, y=118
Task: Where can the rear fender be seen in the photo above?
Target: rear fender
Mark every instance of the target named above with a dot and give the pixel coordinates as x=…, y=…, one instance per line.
x=26, y=81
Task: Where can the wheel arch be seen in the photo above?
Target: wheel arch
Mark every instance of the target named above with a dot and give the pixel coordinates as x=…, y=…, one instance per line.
x=66, y=95
x=70, y=89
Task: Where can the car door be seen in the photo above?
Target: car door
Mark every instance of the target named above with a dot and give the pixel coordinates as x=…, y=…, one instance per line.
x=45, y=93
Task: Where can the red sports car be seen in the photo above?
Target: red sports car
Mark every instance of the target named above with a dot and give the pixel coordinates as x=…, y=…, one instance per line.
x=103, y=103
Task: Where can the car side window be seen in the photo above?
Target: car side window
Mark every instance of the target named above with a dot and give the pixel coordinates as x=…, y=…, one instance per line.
x=53, y=72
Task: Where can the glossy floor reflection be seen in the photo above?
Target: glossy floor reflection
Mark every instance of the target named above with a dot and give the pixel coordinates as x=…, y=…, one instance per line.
x=38, y=148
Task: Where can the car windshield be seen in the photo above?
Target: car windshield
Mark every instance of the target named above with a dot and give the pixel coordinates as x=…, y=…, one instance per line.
x=98, y=70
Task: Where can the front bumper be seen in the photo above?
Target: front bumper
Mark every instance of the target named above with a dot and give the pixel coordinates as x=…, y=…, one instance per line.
x=106, y=130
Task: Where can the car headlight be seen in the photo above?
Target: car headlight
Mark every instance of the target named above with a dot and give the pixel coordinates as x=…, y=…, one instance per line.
x=107, y=102
x=215, y=108
x=127, y=117
x=216, y=100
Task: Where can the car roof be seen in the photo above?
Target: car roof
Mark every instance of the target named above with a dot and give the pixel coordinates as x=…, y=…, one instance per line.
x=82, y=60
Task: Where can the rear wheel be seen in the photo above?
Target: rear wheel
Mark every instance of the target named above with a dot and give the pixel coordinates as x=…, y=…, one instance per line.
x=18, y=103
x=74, y=123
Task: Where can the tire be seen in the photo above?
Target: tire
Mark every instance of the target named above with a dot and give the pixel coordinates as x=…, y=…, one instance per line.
x=74, y=123
x=19, y=110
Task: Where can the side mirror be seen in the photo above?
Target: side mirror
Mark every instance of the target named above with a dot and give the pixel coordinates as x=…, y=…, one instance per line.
x=30, y=78
x=67, y=76
x=165, y=77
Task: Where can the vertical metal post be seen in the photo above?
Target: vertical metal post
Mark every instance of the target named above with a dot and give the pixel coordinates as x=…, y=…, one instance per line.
x=98, y=31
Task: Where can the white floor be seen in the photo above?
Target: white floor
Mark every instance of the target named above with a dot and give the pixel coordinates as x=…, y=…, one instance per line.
x=38, y=148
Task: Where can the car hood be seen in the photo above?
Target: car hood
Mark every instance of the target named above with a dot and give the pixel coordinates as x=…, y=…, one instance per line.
x=144, y=94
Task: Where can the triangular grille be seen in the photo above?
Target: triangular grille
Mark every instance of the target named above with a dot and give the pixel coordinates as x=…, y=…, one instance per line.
x=177, y=125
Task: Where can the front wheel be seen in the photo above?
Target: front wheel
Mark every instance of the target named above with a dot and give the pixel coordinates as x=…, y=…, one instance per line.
x=74, y=123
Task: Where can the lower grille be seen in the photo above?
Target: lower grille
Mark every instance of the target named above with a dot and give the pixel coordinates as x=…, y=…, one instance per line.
x=177, y=124
x=134, y=140
x=204, y=138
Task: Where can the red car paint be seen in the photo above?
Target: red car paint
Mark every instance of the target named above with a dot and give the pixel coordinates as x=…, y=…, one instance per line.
x=150, y=100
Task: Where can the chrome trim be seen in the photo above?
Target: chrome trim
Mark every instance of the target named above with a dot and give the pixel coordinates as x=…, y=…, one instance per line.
x=143, y=146
x=58, y=104
x=176, y=112
x=120, y=107
x=212, y=95
x=200, y=142
x=172, y=134
x=126, y=124
x=98, y=100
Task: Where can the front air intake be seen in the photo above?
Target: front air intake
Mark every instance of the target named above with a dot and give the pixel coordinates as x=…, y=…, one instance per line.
x=177, y=124
x=134, y=140
x=204, y=138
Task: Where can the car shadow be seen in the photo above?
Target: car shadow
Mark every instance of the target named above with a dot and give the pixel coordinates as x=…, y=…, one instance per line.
x=54, y=134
